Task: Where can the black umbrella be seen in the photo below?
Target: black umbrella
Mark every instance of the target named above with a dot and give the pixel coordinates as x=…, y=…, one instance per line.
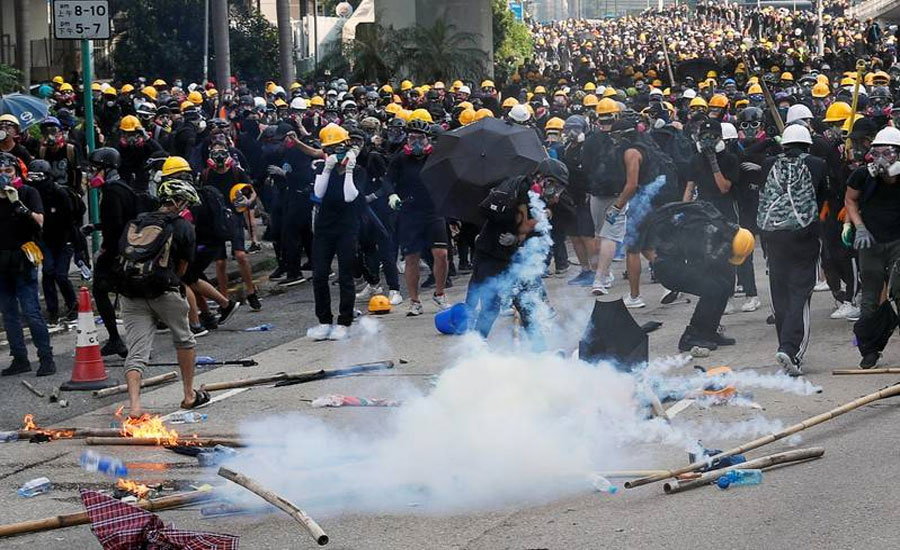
x=468, y=161
x=613, y=335
x=696, y=68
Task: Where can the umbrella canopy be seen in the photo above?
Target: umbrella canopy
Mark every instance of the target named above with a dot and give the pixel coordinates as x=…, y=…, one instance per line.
x=468, y=161
x=27, y=108
x=696, y=68
x=613, y=335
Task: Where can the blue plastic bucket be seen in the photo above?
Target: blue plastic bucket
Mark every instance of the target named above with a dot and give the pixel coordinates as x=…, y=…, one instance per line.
x=454, y=320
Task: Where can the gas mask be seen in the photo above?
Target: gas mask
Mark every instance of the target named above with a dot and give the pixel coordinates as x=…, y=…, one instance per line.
x=751, y=131
x=417, y=145
x=710, y=142
x=132, y=139
x=219, y=157
x=38, y=180
x=573, y=135
x=883, y=160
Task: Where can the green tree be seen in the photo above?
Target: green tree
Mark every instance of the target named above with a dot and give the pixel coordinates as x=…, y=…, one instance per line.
x=512, y=40
x=9, y=79
x=254, y=47
x=441, y=52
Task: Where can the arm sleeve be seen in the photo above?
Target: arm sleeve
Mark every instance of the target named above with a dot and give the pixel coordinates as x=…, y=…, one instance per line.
x=321, y=184
x=350, y=190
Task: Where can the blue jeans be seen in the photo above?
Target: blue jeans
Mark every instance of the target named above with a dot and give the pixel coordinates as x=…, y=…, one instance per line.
x=57, y=259
x=20, y=290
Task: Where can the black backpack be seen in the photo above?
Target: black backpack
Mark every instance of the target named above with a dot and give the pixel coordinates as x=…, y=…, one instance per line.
x=145, y=266
x=216, y=223
x=503, y=199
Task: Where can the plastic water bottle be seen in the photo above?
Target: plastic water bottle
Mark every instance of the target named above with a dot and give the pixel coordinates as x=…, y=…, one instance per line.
x=85, y=270
x=189, y=417
x=219, y=454
x=265, y=327
x=108, y=465
x=740, y=477
x=8, y=437
x=603, y=485
x=35, y=487
x=204, y=360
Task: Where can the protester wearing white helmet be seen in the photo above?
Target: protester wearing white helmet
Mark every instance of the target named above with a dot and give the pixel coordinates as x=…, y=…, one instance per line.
x=298, y=104
x=519, y=114
x=729, y=132
x=788, y=219
x=797, y=113
x=873, y=229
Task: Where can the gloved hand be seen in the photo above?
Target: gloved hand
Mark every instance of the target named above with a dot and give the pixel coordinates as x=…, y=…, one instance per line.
x=276, y=171
x=612, y=214
x=11, y=194
x=750, y=167
x=863, y=238
x=350, y=160
x=847, y=234
x=507, y=239
x=87, y=230
x=394, y=201
x=330, y=162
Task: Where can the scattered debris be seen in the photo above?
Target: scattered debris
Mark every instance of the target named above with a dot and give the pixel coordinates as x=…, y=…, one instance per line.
x=216, y=456
x=35, y=487
x=697, y=351
x=265, y=327
x=187, y=417
x=603, y=485
x=146, y=382
x=885, y=370
x=335, y=400
x=739, y=478
x=286, y=379
x=32, y=389
x=786, y=457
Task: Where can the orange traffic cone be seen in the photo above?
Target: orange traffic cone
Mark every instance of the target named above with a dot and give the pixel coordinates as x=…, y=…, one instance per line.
x=88, y=372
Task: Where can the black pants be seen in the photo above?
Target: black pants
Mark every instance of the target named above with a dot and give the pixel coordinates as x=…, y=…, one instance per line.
x=559, y=251
x=103, y=287
x=57, y=258
x=793, y=256
x=465, y=242
x=296, y=231
x=326, y=245
x=838, y=263
x=713, y=283
x=378, y=252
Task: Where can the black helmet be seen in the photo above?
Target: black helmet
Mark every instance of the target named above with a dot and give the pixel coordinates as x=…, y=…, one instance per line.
x=397, y=122
x=105, y=158
x=552, y=168
x=418, y=125
x=39, y=166
x=750, y=114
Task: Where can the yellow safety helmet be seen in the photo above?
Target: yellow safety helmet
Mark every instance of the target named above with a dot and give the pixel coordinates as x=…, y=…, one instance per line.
x=95, y=87
x=457, y=84
x=58, y=79
x=130, y=123
x=212, y=92
x=607, y=106
x=555, y=123
x=488, y=84
x=270, y=87
x=195, y=97
x=787, y=76
x=741, y=103
x=66, y=87
x=718, y=101
x=280, y=103
x=332, y=134
x=754, y=89
x=466, y=105
x=820, y=90
x=12, y=119
x=881, y=78
x=439, y=85
x=185, y=105
x=741, y=246
x=392, y=108
x=150, y=92
x=467, y=116
x=822, y=79
x=838, y=111
x=235, y=190
x=421, y=114
x=406, y=85
x=610, y=92
x=294, y=85
x=483, y=113
x=510, y=102
x=110, y=91
x=404, y=114
x=590, y=87
x=175, y=165
x=316, y=101
x=698, y=102
x=159, y=82
x=387, y=89
x=379, y=304
x=540, y=90
x=848, y=81
x=847, y=127
x=590, y=101
x=127, y=89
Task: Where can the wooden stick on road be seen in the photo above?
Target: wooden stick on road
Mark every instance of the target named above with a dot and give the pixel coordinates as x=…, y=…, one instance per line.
x=146, y=382
x=153, y=442
x=80, y=518
x=279, y=502
x=885, y=370
x=299, y=377
x=889, y=391
x=71, y=433
x=786, y=457
x=32, y=389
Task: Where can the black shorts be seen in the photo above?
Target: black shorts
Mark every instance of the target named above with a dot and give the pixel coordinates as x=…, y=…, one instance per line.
x=237, y=236
x=418, y=232
x=584, y=223
x=205, y=255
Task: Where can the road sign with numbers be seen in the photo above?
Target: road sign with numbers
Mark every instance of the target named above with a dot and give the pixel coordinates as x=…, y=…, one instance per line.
x=81, y=19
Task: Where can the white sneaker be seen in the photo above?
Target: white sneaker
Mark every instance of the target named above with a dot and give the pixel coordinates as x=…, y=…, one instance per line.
x=415, y=309
x=600, y=287
x=401, y=266
x=338, y=332
x=841, y=311
x=368, y=291
x=752, y=304
x=633, y=302
x=440, y=301
x=729, y=308
x=853, y=313
x=319, y=332
x=821, y=286
x=395, y=298
x=610, y=279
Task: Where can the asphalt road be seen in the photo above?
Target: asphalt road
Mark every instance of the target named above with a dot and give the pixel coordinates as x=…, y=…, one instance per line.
x=846, y=500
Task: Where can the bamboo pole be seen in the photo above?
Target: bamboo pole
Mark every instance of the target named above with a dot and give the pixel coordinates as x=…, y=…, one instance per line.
x=152, y=441
x=77, y=433
x=146, y=382
x=706, y=478
x=630, y=473
x=32, y=389
x=889, y=391
x=885, y=370
x=279, y=502
x=80, y=518
x=299, y=377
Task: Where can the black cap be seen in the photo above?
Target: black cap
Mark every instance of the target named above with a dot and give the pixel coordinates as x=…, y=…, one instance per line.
x=552, y=168
x=710, y=126
x=283, y=130
x=864, y=127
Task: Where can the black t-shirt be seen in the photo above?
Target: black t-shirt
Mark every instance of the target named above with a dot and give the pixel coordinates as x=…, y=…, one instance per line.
x=404, y=172
x=16, y=230
x=184, y=242
x=225, y=181
x=701, y=174
x=879, y=205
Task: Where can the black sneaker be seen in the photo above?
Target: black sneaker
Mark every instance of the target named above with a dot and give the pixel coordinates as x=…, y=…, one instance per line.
x=254, y=247
x=253, y=301
x=114, y=347
x=465, y=267
x=306, y=267
x=292, y=280
x=52, y=319
x=47, y=368
x=669, y=297
x=17, y=366
x=722, y=340
x=72, y=313
x=770, y=320
x=869, y=360
x=689, y=340
x=278, y=274
x=228, y=311
x=198, y=331
x=208, y=320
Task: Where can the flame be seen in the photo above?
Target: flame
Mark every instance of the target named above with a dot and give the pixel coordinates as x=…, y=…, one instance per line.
x=146, y=426
x=137, y=489
x=29, y=425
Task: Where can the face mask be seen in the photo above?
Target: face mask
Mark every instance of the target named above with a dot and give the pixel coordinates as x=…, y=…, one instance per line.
x=110, y=104
x=37, y=180
x=219, y=157
x=97, y=181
